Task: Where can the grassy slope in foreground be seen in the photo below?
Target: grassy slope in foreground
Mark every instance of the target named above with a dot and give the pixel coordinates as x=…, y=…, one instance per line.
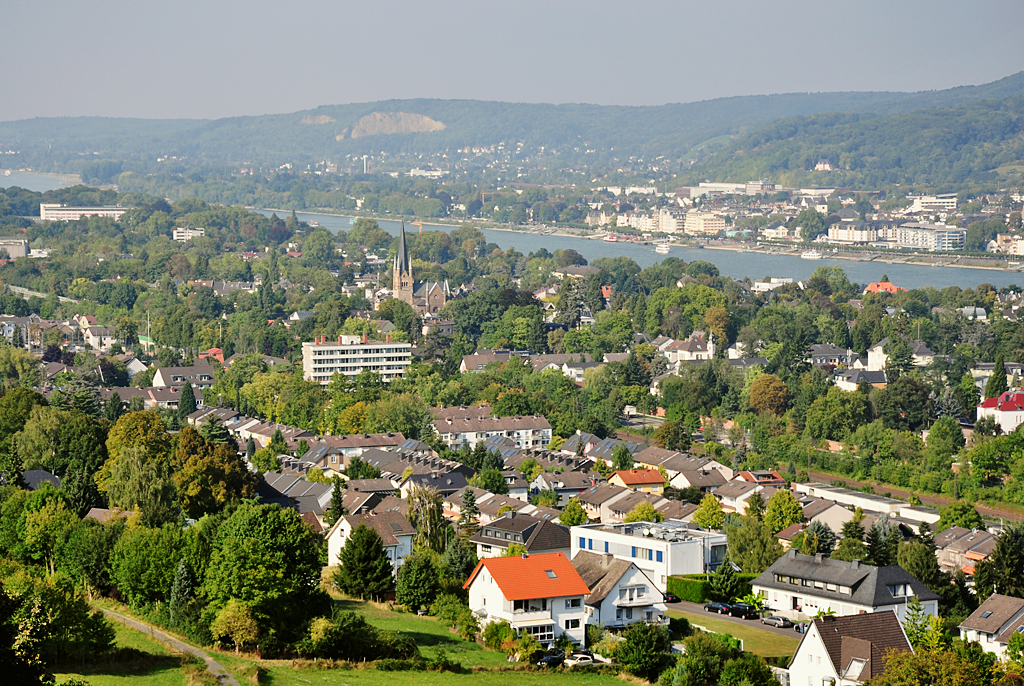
x=161, y=668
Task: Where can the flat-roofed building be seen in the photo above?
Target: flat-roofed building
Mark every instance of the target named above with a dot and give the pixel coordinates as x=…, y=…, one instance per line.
x=57, y=212
x=351, y=355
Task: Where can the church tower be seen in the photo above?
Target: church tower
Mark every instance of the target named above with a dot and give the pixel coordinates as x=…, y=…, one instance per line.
x=403, y=285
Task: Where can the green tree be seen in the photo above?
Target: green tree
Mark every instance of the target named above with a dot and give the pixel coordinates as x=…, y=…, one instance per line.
x=899, y=358
x=365, y=570
x=235, y=621
x=643, y=512
x=144, y=562
x=337, y=509
x=491, y=480
x=113, y=408
x=15, y=410
x=186, y=403
x=928, y=667
x=959, y=513
x=850, y=549
x=709, y=514
x=469, y=514
x=138, y=481
x=266, y=460
x=622, y=459
x=47, y=528
x=19, y=641
x=782, y=511
x=183, y=593
x=756, y=506
x=725, y=585
x=816, y=538
x=769, y=394
x=459, y=560
x=418, y=580
x=752, y=545
x=643, y=651
x=209, y=476
x=883, y=540
x=996, y=384
x=214, y=431
x=1003, y=570
x=573, y=513
x=268, y=558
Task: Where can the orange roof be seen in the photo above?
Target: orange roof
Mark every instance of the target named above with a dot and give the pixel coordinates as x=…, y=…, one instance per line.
x=883, y=287
x=549, y=575
x=640, y=476
x=976, y=557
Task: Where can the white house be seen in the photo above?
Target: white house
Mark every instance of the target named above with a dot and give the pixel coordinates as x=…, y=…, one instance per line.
x=200, y=375
x=541, y=595
x=994, y=623
x=658, y=549
x=620, y=593
x=537, y=536
x=1007, y=410
x=396, y=533
x=527, y=432
x=877, y=357
x=846, y=650
x=806, y=584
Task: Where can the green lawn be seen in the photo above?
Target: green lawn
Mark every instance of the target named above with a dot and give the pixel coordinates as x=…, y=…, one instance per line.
x=755, y=639
x=155, y=666
x=284, y=675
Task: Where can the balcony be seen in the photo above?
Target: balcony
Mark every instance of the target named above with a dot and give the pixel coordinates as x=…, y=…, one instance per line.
x=531, y=616
x=634, y=602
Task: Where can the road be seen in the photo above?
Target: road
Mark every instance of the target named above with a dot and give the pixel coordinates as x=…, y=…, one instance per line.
x=928, y=500
x=694, y=608
x=212, y=665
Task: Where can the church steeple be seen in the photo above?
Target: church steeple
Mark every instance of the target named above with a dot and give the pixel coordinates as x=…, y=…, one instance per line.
x=402, y=271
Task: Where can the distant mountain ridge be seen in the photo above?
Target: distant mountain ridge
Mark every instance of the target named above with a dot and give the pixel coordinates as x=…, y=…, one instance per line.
x=432, y=125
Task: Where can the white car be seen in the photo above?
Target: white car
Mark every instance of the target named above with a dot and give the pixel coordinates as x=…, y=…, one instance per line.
x=578, y=660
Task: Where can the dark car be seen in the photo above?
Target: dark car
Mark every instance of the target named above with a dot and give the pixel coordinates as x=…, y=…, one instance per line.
x=720, y=608
x=775, y=620
x=671, y=598
x=551, y=661
x=743, y=610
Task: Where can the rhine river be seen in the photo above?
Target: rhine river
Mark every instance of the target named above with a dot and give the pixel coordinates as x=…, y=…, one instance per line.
x=30, y=181
x=729, y=262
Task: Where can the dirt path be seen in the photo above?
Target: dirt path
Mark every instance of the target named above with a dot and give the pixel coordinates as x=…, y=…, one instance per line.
x=211, y=665
x=929, y=500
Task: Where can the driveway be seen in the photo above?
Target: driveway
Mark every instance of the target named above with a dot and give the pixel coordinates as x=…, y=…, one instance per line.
x=211, y=665
x=694, y=608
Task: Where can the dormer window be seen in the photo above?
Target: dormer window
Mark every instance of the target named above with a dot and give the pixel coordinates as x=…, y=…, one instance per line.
x=550, y=573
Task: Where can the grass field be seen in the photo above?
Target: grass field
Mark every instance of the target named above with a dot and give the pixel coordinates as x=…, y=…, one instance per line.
x=755, y=639
x=156, y=666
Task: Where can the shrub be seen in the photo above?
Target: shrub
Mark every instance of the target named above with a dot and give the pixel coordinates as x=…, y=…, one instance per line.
x=349, y=637
x=594, y=634
x=468, y=625
x=442, y=663
x=690, y=589
x=497, y=633
x=447, y=608
x=679, y=627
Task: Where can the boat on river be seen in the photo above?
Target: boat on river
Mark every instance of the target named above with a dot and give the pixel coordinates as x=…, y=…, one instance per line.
x=810, y=255
x=663, y=248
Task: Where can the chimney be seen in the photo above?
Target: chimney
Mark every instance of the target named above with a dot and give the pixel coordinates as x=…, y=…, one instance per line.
x=606, y=560
x=339, y=338
x=366, y=338
x=817, y=558
x=387, y=338
x=855, y=565
x=526, y=555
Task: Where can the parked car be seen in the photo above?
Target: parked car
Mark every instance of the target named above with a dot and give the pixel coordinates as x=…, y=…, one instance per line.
x=775, y=620
x=671, y=598
x=550, y=661
x=720, y=608
x=579, y=660
x=743, y=610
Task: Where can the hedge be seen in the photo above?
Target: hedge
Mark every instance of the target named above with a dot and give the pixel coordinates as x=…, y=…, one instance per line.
x=696, y=588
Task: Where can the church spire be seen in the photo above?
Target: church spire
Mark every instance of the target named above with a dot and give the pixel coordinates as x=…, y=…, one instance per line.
x=402, y=258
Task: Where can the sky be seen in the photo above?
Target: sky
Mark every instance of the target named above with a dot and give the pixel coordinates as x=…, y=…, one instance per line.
x=220, y=58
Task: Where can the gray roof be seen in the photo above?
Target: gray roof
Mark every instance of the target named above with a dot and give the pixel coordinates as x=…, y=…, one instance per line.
x=993, y=613
x=868, y=584
x=600, y=573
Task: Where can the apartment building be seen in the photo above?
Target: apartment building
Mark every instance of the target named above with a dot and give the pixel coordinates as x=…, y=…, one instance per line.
x=934, y=203
x=930, y=237
x=703, y=223
x=187, y=233
x=57, y=212
x=351, y=355
x=527, y=432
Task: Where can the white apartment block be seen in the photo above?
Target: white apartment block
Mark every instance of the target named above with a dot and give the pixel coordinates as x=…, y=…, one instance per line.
x=660, y=550
x=350, y=355
x=934, y=203
x=186, y=234
x=931, y=237
x=56, y=212
x=703, y=223
x=843, y=232
x=671, y=221
x=527, y=432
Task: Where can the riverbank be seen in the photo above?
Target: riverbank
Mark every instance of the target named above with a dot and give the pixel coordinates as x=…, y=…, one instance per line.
x=996, y=265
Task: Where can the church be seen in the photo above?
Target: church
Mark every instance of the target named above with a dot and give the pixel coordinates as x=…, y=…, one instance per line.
x=426, y=297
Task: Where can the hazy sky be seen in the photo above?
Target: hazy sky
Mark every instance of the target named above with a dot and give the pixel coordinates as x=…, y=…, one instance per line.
x=217, y=58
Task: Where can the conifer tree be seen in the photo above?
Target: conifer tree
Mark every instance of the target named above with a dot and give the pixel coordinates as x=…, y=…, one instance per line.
x=250, y=448
x=183, y=592
x=469, y=514
x=114, y=407
x=996, y=384
x=186, y=403
x=365, y=570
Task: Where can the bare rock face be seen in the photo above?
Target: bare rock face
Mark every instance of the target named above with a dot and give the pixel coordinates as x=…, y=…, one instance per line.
x=318, y=120
x=378, y=123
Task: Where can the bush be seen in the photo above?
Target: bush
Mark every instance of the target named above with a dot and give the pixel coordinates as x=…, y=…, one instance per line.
x=594, y=634
x=497, y=633
x=349, y=637
x=690, y=589
x=447, y=608
x=679, y=627
x=468, y=625
x=442, y=663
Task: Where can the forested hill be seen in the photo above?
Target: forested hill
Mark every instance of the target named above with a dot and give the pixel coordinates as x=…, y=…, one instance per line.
x=976, y=142
x=408, y=126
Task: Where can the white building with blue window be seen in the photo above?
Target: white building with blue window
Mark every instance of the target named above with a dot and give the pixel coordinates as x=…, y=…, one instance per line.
x=659, y=550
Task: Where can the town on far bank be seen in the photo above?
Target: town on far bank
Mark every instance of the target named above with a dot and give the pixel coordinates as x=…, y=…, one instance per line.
x=429, y=453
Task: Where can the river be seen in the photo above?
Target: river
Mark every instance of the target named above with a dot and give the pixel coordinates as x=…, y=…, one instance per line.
x=729, y=262
x=31, y=181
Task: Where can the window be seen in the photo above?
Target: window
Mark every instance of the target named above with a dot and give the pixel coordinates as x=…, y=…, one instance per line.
x=986, y=614
x=572, y=624
x=583, y=543
x=571, y=603
x=485, y=548
x=545, y=632
x=606, y=546
x=634, y=551
x=590, y=544
x=551, y=573
x=618, y=613
x=659, y=556
x=629, y=613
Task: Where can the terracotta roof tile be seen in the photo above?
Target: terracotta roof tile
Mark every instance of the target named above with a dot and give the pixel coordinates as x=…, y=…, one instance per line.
x=535, y=576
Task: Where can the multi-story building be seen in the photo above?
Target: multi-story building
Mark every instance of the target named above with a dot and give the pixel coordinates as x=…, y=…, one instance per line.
x=187, y=233
x=351, y=355
x=537, y=594
x=934, y=203
x=852, y=232
x=660, y=549
x=527, y=432
x=57, y=212
x=620, y=593
x=994, y=623
x=1007, y=410
x=842, y=651
x=703, y=223
x=15, y=247
x=931, y=237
